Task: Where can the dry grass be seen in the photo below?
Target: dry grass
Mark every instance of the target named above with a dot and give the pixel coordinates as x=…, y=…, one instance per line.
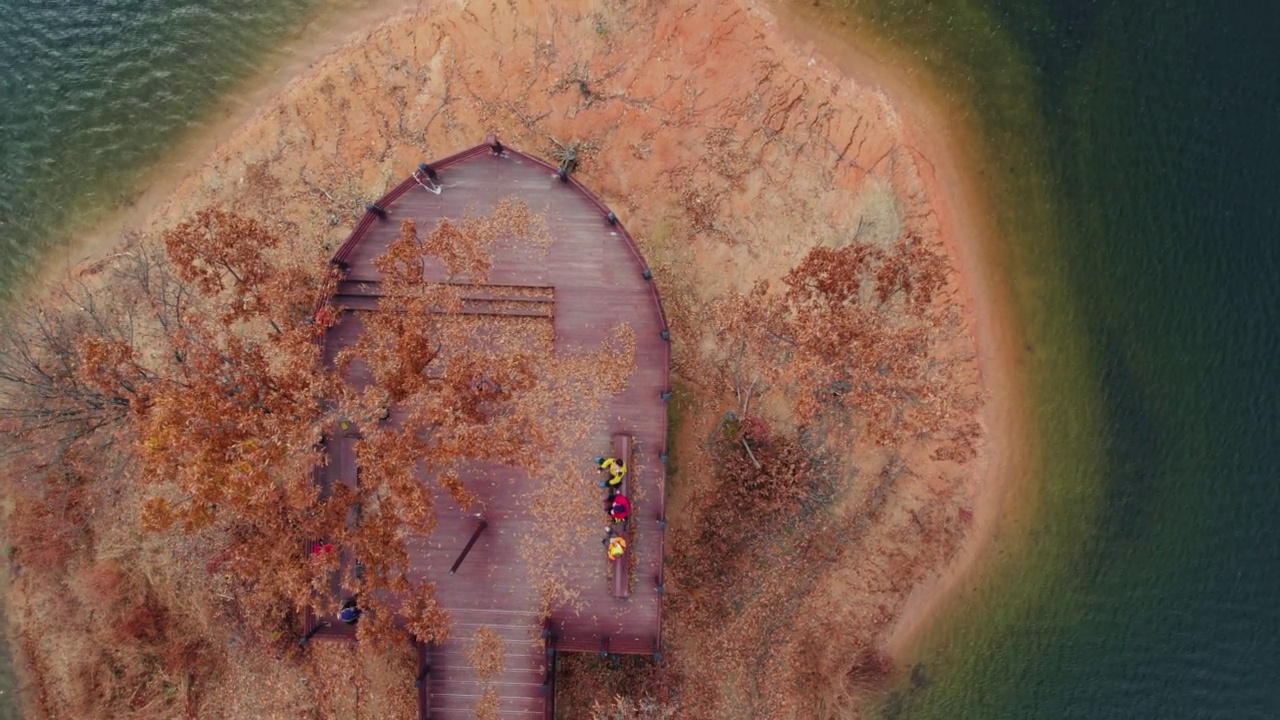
x=588, y=686
x=138, y=652
x=628, y=708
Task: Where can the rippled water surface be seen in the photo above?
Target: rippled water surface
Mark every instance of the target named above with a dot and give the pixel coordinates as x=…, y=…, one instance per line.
x=1133, y=161
x=93, y=90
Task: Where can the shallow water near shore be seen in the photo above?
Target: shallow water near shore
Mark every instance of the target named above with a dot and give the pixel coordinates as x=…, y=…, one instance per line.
x=1130, y=157
x=91, y=93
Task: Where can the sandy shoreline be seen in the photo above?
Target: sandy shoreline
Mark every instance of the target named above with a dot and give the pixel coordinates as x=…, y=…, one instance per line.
x=969, y=234
x=276, y=125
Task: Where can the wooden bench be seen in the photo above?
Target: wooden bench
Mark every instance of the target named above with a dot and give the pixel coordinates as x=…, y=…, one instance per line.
x=510, y=307
x=622, y=566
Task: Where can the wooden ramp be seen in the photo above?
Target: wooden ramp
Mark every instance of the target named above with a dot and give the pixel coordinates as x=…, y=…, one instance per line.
x=521, y=689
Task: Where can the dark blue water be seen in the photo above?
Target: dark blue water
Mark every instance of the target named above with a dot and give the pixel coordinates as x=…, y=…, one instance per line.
x=1134, y=164
x=1164, y=118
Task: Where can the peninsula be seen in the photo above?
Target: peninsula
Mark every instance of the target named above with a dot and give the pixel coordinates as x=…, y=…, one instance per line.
x=839, y=397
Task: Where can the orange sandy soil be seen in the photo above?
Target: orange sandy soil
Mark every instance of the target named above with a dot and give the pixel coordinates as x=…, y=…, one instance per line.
x=729, y=151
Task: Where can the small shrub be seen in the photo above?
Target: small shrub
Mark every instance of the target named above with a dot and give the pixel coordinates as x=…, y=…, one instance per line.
x=871, y=668
x=47, y=528
x=105, y=585
x=145, y=622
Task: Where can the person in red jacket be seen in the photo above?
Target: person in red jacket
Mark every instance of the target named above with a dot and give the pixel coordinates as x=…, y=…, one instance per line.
x=618, y=507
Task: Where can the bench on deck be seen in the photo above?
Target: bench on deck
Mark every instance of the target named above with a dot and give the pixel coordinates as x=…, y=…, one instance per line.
x=345, y=469
x=622, y=566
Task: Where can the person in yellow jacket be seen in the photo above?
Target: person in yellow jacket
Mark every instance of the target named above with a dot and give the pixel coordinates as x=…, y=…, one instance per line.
x=616, y=469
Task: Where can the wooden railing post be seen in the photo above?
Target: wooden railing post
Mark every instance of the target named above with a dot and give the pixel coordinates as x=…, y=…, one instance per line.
x=315, y=630
x=549, y=678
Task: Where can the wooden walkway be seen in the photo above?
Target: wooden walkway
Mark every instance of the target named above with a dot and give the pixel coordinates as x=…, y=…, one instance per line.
x=591, y=278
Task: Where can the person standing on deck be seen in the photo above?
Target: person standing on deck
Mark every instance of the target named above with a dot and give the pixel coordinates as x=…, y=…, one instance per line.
x=350, y=612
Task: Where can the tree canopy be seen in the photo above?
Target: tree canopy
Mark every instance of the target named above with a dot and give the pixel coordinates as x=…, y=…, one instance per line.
x=196, y=368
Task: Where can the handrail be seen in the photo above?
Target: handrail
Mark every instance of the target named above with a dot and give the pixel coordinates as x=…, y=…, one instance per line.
x=369, y=217
x=666, y=351
x=420, y=682
x=470, y=544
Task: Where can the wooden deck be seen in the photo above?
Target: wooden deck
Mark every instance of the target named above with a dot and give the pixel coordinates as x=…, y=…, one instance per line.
x=591, y=278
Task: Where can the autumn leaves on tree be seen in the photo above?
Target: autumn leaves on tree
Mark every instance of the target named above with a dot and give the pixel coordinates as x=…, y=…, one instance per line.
x=429, y=395
x=203, y=375
x=854, y=331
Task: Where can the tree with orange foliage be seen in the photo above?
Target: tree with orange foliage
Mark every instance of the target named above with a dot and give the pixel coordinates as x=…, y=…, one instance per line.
x=439, y=401
x=848, y=354
x=200, y=374
x=854, y=329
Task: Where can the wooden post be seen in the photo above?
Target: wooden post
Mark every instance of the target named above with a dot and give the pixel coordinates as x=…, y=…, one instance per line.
x=470, y=544
x=549, y=680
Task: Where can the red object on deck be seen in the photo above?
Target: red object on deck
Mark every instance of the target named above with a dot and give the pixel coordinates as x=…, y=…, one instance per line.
x=622, y=565
x=619, y=506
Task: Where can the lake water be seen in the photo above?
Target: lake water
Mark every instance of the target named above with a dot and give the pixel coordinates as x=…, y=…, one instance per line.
x=1132, y=157
x=91, y=92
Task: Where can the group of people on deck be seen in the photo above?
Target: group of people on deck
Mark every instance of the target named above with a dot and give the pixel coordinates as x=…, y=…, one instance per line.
x=615, y=504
